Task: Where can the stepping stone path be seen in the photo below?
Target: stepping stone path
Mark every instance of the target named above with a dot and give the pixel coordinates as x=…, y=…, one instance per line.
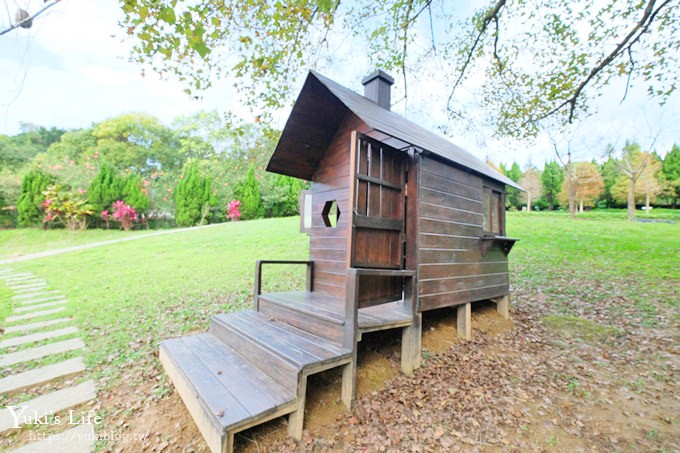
x=32, y=303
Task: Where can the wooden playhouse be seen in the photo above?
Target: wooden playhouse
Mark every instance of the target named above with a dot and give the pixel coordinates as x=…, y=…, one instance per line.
x=401, y=221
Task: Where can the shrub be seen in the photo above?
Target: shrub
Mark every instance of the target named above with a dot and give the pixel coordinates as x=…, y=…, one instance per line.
x=69, y=208
x=233, y=212
x=29, y=206
x=124, y=214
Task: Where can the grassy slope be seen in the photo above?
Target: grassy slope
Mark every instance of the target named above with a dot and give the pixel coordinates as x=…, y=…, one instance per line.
x=23, y=241
x=129, y=296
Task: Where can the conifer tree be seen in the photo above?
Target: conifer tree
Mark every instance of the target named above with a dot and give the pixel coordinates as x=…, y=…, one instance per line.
x=105, y=189
x=135, y=195
x=248, y=193
x=30, y=202
x=194, y=198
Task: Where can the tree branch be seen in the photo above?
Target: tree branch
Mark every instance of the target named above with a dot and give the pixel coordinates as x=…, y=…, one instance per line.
x=30, y=18
x=631, y=38
x=488, y=17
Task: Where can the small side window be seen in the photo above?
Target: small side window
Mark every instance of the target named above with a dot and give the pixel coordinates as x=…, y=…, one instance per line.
x=306, y=211
x=493, y=213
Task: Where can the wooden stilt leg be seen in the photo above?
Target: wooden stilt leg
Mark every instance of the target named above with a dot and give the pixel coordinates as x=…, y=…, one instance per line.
x=465, y=321
x=410, y=346
x=296, y=419
x=349, y=378
x=503, y=306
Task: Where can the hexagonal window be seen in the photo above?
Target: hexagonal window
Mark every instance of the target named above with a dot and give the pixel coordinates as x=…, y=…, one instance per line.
x=330, y=214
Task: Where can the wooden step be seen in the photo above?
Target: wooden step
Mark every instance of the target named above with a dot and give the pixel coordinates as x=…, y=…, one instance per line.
x=223, y=392
x=297, y=347
x=313, y=312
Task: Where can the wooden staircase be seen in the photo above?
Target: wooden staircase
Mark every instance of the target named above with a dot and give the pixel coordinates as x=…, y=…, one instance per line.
x=248, y=369
x=252, y=366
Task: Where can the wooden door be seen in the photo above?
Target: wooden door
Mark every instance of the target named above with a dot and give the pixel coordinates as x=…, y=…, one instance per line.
x=378, y=225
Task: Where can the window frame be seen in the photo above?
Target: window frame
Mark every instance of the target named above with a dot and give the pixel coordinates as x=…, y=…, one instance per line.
x=490, y=216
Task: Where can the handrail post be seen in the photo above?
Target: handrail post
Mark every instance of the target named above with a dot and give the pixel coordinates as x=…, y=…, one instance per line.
x=310, y=276
x=258, y=285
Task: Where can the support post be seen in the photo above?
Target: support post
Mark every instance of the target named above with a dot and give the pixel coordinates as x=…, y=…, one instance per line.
x=349, y=379
x=296, y=419
x=410, y=345
x=349, y=371
x=503, y=306
x=464, y=319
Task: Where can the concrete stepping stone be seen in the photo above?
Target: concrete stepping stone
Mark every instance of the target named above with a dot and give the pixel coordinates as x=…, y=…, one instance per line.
x=40, y=375
x=35, y=314
x=16, y=341
x=10, y=275
x=36, y=325
x=28, y=308
x=43, y=299
x=46, y=404
x=33, y=295
x=28, y=288
x=38, y=352
x=80, y=439
x=24, y=281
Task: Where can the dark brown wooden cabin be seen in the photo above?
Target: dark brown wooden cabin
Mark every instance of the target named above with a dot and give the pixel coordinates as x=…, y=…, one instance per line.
x=401, y=221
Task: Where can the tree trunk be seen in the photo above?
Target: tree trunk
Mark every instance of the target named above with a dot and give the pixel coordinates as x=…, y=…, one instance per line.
x=647, y=201
x=572, y=207
x=631, y=200
x=580, y=206
x=528, y=201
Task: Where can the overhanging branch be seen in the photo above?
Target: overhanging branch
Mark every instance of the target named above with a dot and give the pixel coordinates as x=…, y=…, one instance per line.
x=30, y=18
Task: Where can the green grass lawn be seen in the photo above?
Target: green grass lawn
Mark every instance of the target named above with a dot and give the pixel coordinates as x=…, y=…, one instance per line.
x=23, y=241
x=127, y=297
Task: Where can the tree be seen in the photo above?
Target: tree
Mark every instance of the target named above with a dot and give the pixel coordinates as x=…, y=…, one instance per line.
x=136, y=194
x=587, y=184
x=281, y=197
x=248, y=193
x=30, y=202
x=106, y=188
x=531, y=181
x=541, y=61
x=513, y=195
x=631, y=166
x=551, y=181
x=193, y=197
x=671, y=171
x=137, y=142
x=647, y=185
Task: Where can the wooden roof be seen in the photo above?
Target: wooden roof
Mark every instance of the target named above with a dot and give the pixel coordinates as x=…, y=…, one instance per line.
x=321, y=107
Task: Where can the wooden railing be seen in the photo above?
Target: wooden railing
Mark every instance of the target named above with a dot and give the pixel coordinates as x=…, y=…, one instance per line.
x=258, y=276
x=352, y=304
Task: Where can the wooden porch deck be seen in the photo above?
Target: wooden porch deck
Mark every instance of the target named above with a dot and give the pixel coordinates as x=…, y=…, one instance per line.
x=379, y=317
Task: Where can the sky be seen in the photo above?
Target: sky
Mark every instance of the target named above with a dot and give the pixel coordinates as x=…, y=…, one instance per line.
x=72, y=70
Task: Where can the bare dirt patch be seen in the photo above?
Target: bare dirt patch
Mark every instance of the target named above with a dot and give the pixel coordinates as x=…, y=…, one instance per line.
x=517, y=386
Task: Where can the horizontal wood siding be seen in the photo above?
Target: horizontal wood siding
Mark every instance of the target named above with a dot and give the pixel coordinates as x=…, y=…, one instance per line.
x=451, y=268
x=328, y=246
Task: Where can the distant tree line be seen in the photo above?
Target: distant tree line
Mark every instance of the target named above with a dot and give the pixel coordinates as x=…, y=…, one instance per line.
x=183, y=175
x=630, y=177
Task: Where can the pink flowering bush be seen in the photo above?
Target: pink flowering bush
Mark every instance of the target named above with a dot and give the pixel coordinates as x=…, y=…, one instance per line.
x=105, y=217
x=124, y=214
x=233, y=212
